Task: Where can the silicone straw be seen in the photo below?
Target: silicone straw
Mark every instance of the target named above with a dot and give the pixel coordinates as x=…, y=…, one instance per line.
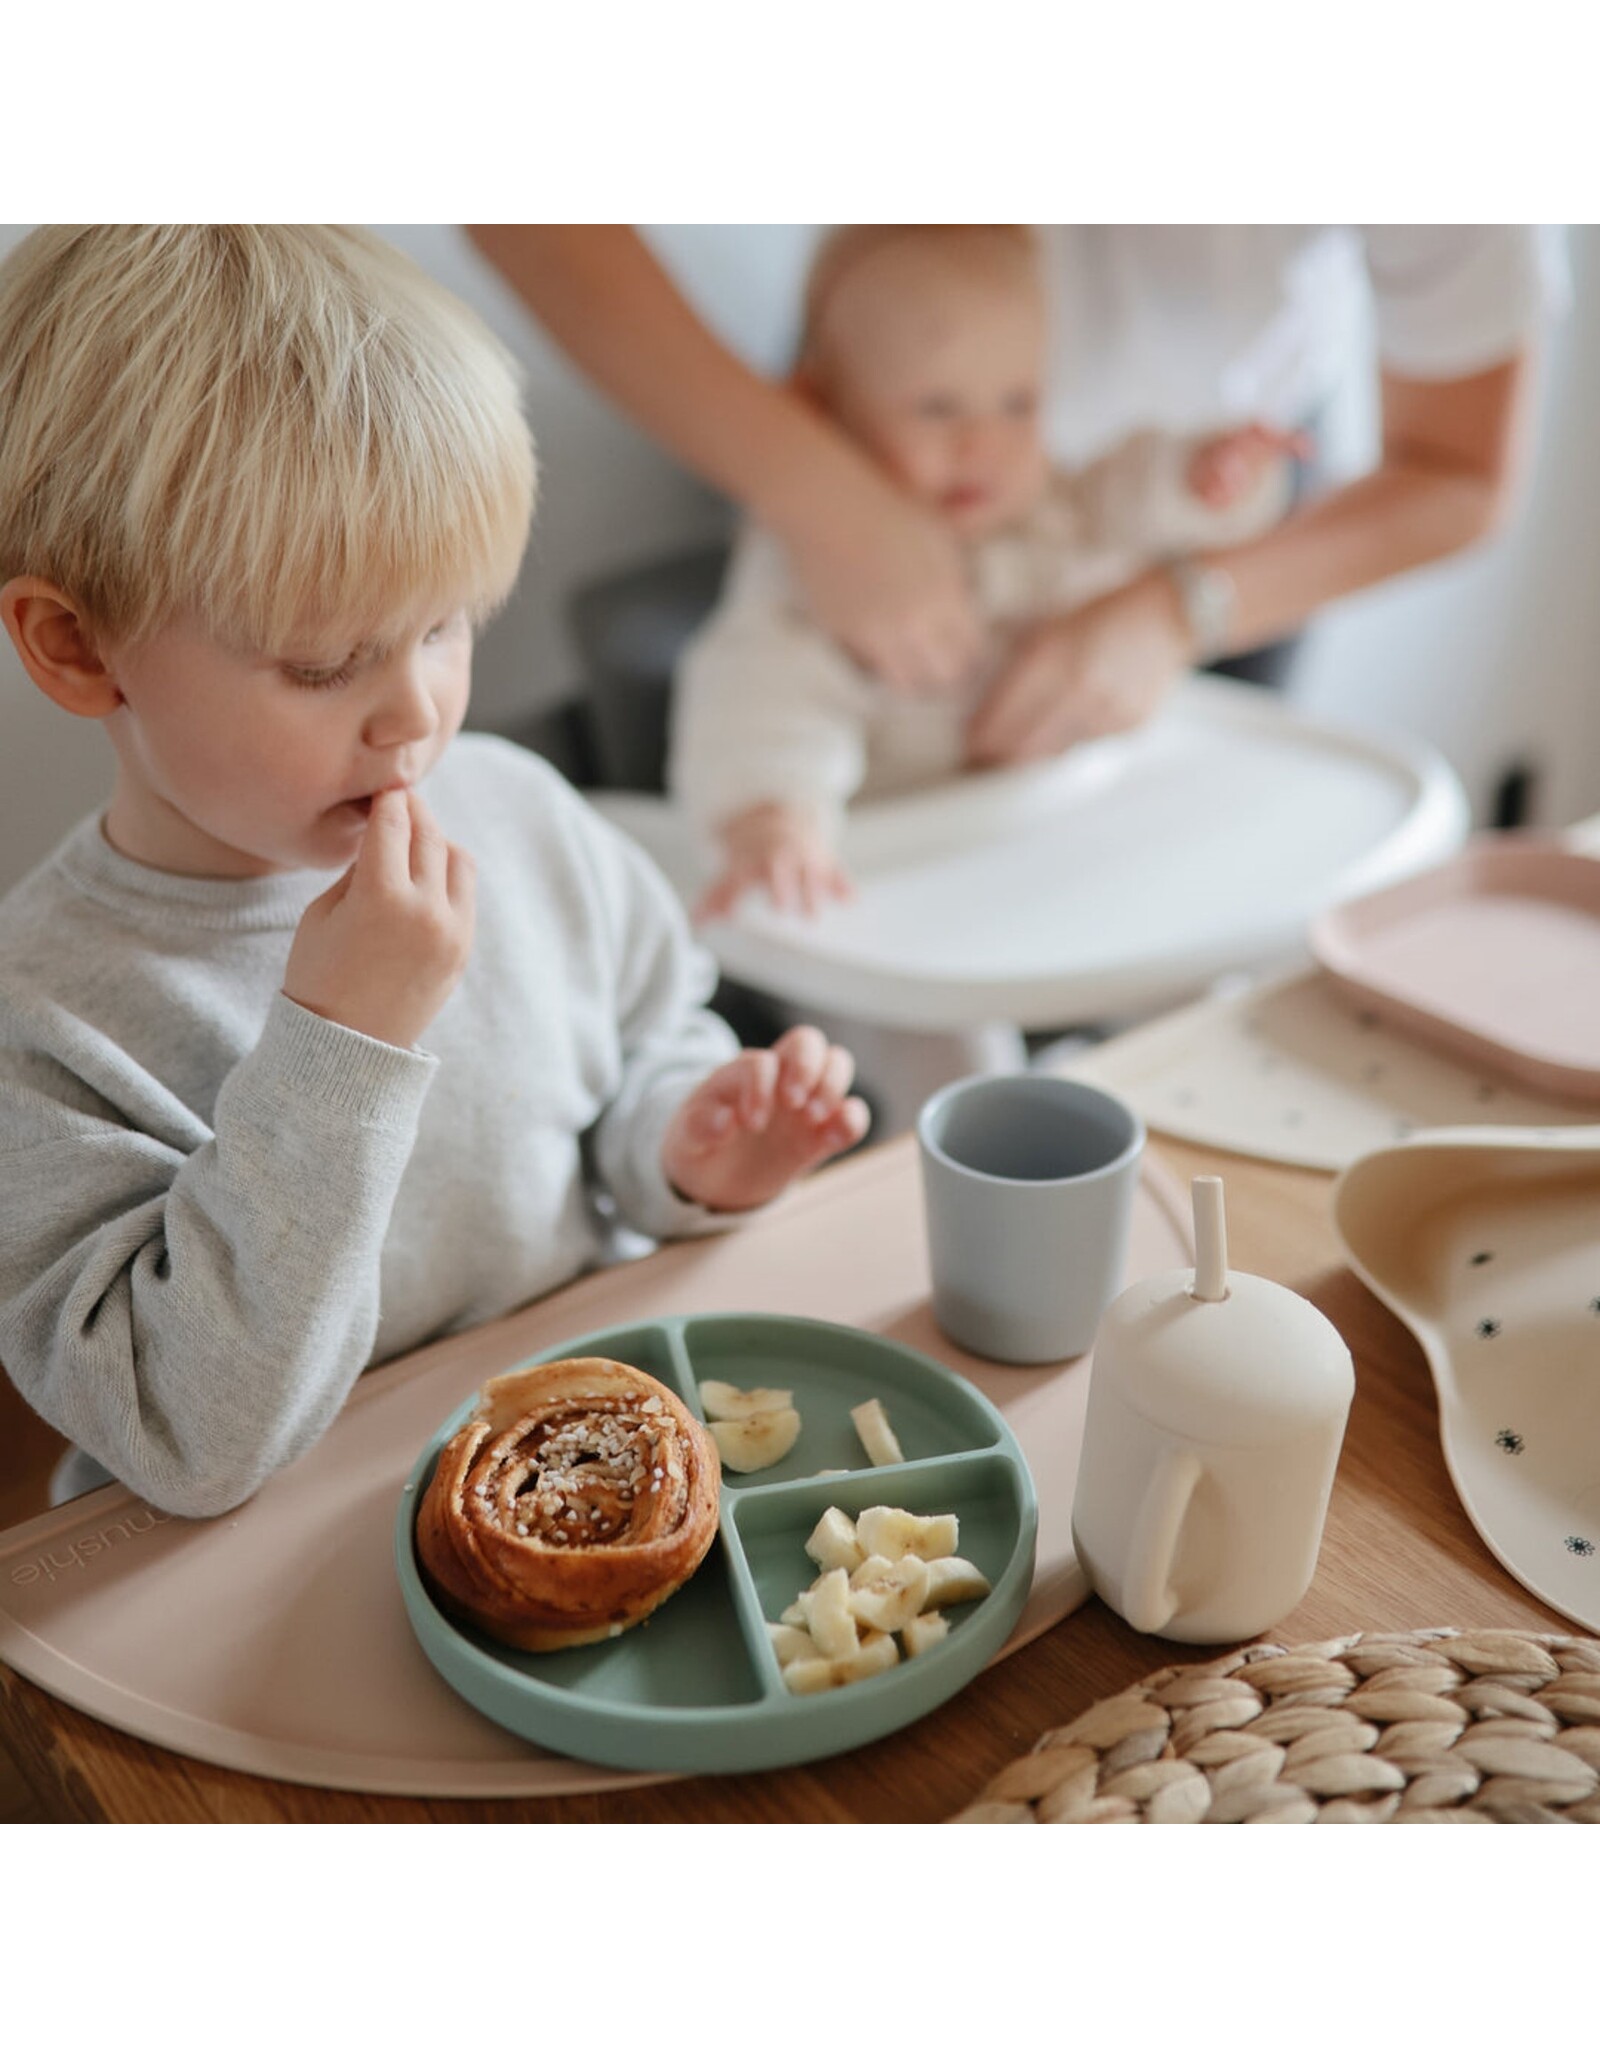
x=1210, y=1239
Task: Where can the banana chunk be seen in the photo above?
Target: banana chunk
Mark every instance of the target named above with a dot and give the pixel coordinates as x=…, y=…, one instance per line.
x=790, y=1643
x=953, y=1579
x=878, y=1440
x=725, y=1403
x=828, y=1615
x=923, y=1632
x=754, y=1442
x=832, y=1543
x=821, y=1674
x=896, y=1532
x=891, y=1595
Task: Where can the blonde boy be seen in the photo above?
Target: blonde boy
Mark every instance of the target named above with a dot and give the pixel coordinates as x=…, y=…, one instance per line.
x=927, y=345
x=257, y=486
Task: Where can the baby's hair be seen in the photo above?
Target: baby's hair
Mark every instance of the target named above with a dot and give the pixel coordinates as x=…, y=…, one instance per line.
x=843, y=248
x=265, y=429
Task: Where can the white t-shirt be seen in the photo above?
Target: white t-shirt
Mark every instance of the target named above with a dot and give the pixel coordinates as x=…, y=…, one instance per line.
x=1188, y=328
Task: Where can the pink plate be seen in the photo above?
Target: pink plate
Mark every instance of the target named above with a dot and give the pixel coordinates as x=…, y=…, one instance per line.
x=1494, y=955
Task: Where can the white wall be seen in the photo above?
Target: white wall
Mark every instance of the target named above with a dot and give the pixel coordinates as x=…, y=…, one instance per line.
x=1492, y=658
x=1495, y=656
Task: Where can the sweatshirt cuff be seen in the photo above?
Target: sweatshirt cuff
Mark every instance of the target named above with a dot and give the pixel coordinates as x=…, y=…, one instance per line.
x=361, y=1079
x=645, y=1199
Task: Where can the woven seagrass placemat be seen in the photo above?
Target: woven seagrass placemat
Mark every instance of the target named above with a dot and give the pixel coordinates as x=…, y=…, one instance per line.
x=1492, y=1725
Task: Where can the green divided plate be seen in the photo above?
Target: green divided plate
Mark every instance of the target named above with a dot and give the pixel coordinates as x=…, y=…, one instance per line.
x=697, y=1687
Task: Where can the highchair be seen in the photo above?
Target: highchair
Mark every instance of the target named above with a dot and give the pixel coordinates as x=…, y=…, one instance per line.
x=1125, y=876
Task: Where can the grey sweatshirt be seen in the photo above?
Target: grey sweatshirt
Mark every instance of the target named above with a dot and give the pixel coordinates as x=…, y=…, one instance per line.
x=216, y=1209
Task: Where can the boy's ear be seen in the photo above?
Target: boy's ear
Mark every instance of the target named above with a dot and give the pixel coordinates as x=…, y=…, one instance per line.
x=56, y=646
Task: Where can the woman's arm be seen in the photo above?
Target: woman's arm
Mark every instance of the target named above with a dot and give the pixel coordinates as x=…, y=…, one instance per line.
x=884, y=576
x=1452, y=461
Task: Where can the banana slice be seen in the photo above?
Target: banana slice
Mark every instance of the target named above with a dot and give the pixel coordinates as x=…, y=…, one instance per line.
x=725, y=1403
x=890, y=1596
x=756, y=1441
x=953, y=1579
x=828, y=1615
x=896, y=1532
x=878, y=1440
x=921, y=1633
x=832, y=1543
x=821, y=1674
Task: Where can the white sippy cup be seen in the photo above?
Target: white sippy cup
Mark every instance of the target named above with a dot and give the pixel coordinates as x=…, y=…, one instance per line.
x=1217, y=1406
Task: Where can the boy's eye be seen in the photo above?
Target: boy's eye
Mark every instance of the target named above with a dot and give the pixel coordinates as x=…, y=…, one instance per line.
x=936, y=405
x=1021, y=405
x=325, y=678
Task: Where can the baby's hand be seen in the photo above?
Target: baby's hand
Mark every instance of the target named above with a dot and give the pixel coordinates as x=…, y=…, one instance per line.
x=762, y=1120
x=1224, y=470
x=781, y=848
x=381, y=950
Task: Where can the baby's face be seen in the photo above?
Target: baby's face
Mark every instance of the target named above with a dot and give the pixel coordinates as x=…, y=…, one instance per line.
x=235, y=763
x=936, y=368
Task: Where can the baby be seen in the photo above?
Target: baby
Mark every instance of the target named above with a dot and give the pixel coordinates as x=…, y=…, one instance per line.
x=927, y=345
x=336, y=1032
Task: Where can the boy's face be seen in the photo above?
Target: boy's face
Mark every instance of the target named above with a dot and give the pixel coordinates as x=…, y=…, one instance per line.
x=236, y=763
x=936, y=368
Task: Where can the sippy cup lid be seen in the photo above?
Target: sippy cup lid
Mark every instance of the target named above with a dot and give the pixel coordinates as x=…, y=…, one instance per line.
x=1221, y=1356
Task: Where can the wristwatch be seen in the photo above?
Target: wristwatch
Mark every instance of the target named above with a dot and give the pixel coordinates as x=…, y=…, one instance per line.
x=1206, y=597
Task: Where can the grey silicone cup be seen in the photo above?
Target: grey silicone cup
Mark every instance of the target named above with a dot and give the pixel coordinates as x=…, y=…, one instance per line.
x=1028, y=1184
x=697, y=1687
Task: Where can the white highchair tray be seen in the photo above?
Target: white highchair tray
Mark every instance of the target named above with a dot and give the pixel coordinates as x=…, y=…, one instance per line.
x=1125, y=874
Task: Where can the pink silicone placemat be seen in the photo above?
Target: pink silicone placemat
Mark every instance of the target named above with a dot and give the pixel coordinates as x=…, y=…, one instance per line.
x=1494, y=956
x=1291, y=1070
x=274, y=1640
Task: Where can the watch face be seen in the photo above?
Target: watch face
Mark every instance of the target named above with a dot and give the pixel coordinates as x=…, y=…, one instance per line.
x=1207, y=597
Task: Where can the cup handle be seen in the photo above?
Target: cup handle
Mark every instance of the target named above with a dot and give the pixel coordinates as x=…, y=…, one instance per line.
x=1149, y=1602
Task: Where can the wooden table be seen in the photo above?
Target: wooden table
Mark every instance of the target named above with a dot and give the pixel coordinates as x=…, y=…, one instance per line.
x=1399, y=1553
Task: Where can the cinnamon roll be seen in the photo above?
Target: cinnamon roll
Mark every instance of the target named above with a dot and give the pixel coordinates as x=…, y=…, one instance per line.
x=577, y=1497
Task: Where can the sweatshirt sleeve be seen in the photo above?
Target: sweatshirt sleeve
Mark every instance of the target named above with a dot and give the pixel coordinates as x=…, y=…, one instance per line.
x=653, y=982
x=193, y=1318
x=766, y=708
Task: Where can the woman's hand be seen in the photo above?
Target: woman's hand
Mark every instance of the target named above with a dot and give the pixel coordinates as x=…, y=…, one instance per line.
x=762, y=1120
x=886, y=579
x=1101, y=669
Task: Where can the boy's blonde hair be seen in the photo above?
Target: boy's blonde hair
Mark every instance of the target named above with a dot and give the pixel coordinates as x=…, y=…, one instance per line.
x=843, y=248
x=271, y=430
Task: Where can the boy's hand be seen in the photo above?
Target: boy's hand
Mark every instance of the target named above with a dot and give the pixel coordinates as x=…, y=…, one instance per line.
x=381, y=950
x=783, y=849
x=762, y=1120
x=1224, y=470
